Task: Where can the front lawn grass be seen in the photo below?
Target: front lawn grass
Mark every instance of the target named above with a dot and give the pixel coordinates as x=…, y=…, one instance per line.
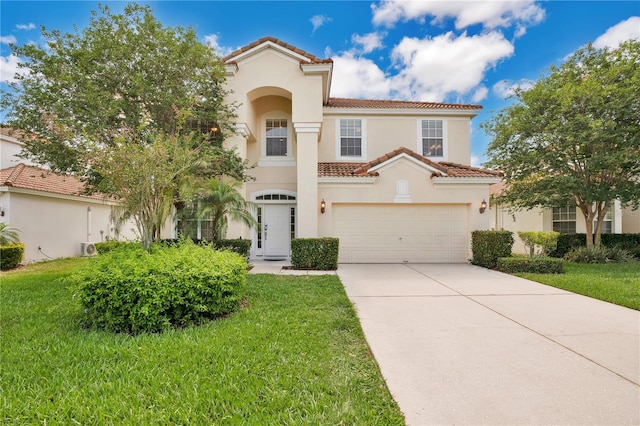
x=617, y=283
x=294, y=355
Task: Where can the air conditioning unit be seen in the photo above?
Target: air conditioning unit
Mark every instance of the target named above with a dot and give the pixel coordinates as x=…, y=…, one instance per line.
x=88, y=249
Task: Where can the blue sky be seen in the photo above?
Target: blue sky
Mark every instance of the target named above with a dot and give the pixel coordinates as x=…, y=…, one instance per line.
x=442, y=51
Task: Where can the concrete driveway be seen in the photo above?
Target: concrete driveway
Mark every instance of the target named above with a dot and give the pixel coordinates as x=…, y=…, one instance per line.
x=460, y=344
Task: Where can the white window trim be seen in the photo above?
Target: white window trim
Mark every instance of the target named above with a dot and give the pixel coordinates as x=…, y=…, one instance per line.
x=273, y=160
x=363, y=152
x=445, y=138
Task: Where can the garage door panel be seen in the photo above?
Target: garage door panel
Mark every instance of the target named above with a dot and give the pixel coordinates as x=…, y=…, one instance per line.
x=392, y=233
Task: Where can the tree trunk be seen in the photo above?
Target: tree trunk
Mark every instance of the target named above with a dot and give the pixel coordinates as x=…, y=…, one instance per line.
x=588, y=213
x=602, y=209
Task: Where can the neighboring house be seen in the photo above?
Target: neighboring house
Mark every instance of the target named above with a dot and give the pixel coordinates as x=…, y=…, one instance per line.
x=390, y=179
x=564, y=219
x=48, y=209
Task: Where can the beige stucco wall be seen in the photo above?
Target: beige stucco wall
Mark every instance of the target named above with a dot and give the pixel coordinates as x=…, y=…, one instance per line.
x=386, y=133
x=10, y=148
x=58, y=225
x=630, y=221
x=422, y=190
x=271, y=69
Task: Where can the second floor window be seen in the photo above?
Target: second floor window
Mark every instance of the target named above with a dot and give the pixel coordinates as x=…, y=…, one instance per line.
x=276, y=137
x=432, y=138
x=564, y=219
x=351, y=138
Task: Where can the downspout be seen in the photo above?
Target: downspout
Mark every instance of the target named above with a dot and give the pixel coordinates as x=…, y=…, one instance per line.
x=88, y=224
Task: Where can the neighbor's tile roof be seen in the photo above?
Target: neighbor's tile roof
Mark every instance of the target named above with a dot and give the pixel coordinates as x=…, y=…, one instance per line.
x=312, y=58
x=14, y=133
x=336, y=169
x=393, y=104
x=37, y=179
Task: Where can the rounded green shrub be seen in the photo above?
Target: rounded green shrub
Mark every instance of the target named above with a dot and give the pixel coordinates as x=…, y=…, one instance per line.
x=129, y=290
x=11, y=255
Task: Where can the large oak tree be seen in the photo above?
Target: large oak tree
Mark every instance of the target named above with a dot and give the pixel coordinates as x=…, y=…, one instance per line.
x=574, y=137
x=110, y=103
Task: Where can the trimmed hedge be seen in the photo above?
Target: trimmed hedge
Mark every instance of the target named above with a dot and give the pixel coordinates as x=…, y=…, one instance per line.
x=315, y=253
x=11, y=255
x=488, y=246
x=568, y=242
x=107, y=246
x=240, y=246
x=131, y=291
x=536, y=265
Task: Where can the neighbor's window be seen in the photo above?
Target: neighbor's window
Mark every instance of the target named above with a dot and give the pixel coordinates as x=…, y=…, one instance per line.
x=432, y=138
x=564, y=219
x=607, y=223
x=277, y=137
x=351, y=138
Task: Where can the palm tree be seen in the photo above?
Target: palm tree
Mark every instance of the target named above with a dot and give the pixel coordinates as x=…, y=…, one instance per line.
x=8, y=235
x=220, y=201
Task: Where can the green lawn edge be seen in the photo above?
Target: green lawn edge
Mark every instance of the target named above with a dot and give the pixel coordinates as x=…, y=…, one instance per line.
x=295, y=354
x=617, y=283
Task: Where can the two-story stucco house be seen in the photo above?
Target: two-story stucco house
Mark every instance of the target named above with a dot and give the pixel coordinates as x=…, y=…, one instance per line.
x=391, y=179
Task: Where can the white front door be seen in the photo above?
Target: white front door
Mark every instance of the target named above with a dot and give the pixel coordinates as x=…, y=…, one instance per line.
x=276, y=224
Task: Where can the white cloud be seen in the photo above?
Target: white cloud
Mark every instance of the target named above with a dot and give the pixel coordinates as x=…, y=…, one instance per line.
x=433, y=68
x=368, y=42
x=9, y=68
x=355, y=77
x=212, y=40
x=475, y=160
x=319, y=20
x=26, y=27
x=491, y=14
x=480, y=93
x=625, y=30
x=506, y=88
x=7, y=39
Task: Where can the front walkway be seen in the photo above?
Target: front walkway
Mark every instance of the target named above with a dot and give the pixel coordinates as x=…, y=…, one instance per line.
x=459, y=344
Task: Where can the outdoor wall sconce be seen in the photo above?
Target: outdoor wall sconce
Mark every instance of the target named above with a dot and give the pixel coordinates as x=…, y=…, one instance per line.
x=483, y=206
x=323, y=206
x=1, y=211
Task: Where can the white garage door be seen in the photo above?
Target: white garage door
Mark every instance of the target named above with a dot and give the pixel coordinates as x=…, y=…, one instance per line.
x=395, y=233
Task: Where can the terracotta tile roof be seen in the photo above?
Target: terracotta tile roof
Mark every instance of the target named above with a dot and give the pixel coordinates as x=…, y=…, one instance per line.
x=445, y=168
x=393, y=104
x=37, y=179
x=395, y=153
x=311, y=58
x=461, y=170
x=343, y=170
x=11, y=132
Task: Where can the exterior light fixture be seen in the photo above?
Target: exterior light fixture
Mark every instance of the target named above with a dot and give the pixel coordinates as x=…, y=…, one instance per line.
x=483, y=206
x=323, y=206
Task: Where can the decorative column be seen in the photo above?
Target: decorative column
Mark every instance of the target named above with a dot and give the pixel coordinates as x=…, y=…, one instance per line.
x=239, y=140
x=307, y=176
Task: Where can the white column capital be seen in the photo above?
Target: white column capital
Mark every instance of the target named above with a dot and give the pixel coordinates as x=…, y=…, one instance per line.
x=313, y=127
